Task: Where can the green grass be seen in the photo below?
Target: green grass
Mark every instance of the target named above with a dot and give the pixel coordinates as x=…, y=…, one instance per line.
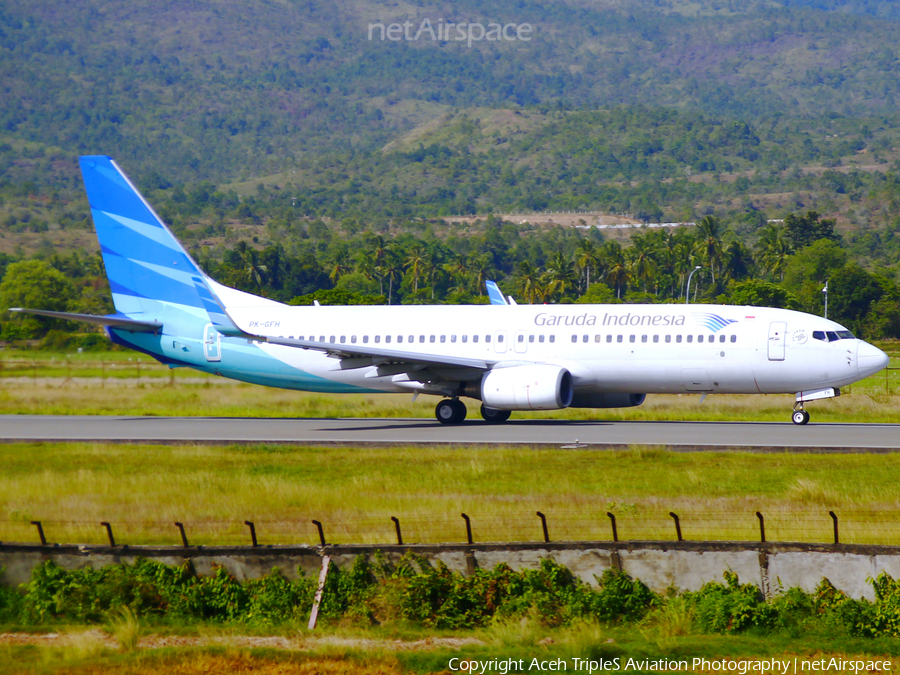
x=124, y=383
x=143, y=489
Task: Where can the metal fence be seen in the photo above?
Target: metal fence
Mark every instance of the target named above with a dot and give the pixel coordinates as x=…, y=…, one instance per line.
x=808, y=526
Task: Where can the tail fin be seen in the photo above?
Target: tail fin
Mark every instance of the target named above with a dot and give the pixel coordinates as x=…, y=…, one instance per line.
x=148, y=269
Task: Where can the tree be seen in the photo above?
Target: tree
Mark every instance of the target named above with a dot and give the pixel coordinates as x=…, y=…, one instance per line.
x=851, y=293
x=33, y=284
x=804, y=230
x=759, y=293
x=709, y=234
x=773, y=249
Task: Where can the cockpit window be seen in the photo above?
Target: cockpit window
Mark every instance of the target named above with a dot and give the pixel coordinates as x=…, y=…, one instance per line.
x=832, y=336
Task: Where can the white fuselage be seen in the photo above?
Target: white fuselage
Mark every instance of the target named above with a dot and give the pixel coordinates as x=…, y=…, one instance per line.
x=671, y=348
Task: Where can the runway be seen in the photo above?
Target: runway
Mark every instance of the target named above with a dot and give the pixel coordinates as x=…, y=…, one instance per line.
x=758, y=436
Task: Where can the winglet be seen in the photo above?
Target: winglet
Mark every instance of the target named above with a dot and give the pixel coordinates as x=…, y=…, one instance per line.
x=494, y=294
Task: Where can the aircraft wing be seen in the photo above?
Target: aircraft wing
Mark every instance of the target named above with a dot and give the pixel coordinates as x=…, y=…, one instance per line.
x=360, y=356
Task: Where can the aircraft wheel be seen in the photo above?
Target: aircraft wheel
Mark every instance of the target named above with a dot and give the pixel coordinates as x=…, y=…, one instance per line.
x=450, y=411
x=800, y=417
x=492, y=416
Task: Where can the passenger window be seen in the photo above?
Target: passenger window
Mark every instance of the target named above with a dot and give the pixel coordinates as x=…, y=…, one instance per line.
x=677, y=338
x=531, y=338
x=431, y=338
x=631, y=338
x=352, y=339
x=690, y=338
x=343, y=339
x=574, y=338
x=452, y=338
x=721, y=338
x=474, y=338
x=487, y=338
x=585, y=338
x=499, y=338
x=421, y=339
x=321, y=338
x=643, y=338
x=668, y=338
x=699, y=338
x=465, y=338
x=734, y=338
x=618, y=338
x=521, y=338
x=400, y=339
x=387, y=339
x=377, y=339
x=540, y=338
x=332, y=339
x=596, y=338
x=552, y=338
x=365, y=339
x=443, y=339
x=656, y=338
x=609, y=338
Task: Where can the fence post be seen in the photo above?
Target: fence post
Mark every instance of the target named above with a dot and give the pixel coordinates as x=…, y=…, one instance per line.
x=762, y=527
x=321, y=531
x=112, y=541
x=252, y=532
x=544, y=525
x=615, y=532
x=397, y=526
x=677, y=525
x=835, y=519
x=184, y=541
x=468, y=527
x=40, y=531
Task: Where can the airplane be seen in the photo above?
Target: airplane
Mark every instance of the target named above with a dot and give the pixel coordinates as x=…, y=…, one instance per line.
x=510, y=357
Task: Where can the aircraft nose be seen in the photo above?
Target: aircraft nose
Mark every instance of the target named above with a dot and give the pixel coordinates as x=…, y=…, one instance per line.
x=869, y=359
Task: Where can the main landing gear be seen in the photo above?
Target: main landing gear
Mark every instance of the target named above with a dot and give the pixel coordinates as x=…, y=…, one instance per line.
x=453, y=411
x=450, y=411
x=492, y=416
x=800, y=416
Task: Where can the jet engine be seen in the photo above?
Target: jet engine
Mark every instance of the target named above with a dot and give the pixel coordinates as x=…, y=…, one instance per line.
x=532, y=387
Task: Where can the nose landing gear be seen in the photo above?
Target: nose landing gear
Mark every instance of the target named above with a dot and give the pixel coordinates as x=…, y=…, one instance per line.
x=450, y=411
x=800, y=416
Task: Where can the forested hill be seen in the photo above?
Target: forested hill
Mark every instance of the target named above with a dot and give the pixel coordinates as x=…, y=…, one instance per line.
x=225, y=90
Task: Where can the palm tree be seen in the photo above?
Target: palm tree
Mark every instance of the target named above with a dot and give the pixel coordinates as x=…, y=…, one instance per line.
x=560, y=274
x=390, y=269
x=415, y=264
x=587, y=256
x=617, y=272
x=773, y=249
x=709, y=232
x=737, y=260
x=643, y=267
x=339, y=262
x=527, y=280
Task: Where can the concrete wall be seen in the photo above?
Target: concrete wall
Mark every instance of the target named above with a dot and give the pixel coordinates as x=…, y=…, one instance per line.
x=686, y=565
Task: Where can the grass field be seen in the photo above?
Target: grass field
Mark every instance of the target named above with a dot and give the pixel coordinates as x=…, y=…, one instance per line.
x=143, y=489
x=125, y=383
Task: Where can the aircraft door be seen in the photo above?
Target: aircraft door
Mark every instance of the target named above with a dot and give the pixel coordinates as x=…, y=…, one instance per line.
x=500, y=341
x=211, y=344
x=777, y=330
x=520, y=344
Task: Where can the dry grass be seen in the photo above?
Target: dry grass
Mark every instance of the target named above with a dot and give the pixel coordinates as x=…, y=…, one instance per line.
x=142, y=490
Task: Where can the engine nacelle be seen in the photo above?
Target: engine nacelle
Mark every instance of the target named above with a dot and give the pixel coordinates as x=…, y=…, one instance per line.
x=607, y=400
x=535, y=387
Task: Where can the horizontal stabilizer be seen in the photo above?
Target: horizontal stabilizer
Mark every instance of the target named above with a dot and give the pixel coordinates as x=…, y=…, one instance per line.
x=111, y=320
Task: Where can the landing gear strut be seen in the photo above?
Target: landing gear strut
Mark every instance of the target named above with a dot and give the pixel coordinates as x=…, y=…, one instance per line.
x=492, y=416
x=450, y=411
x=800, y=416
